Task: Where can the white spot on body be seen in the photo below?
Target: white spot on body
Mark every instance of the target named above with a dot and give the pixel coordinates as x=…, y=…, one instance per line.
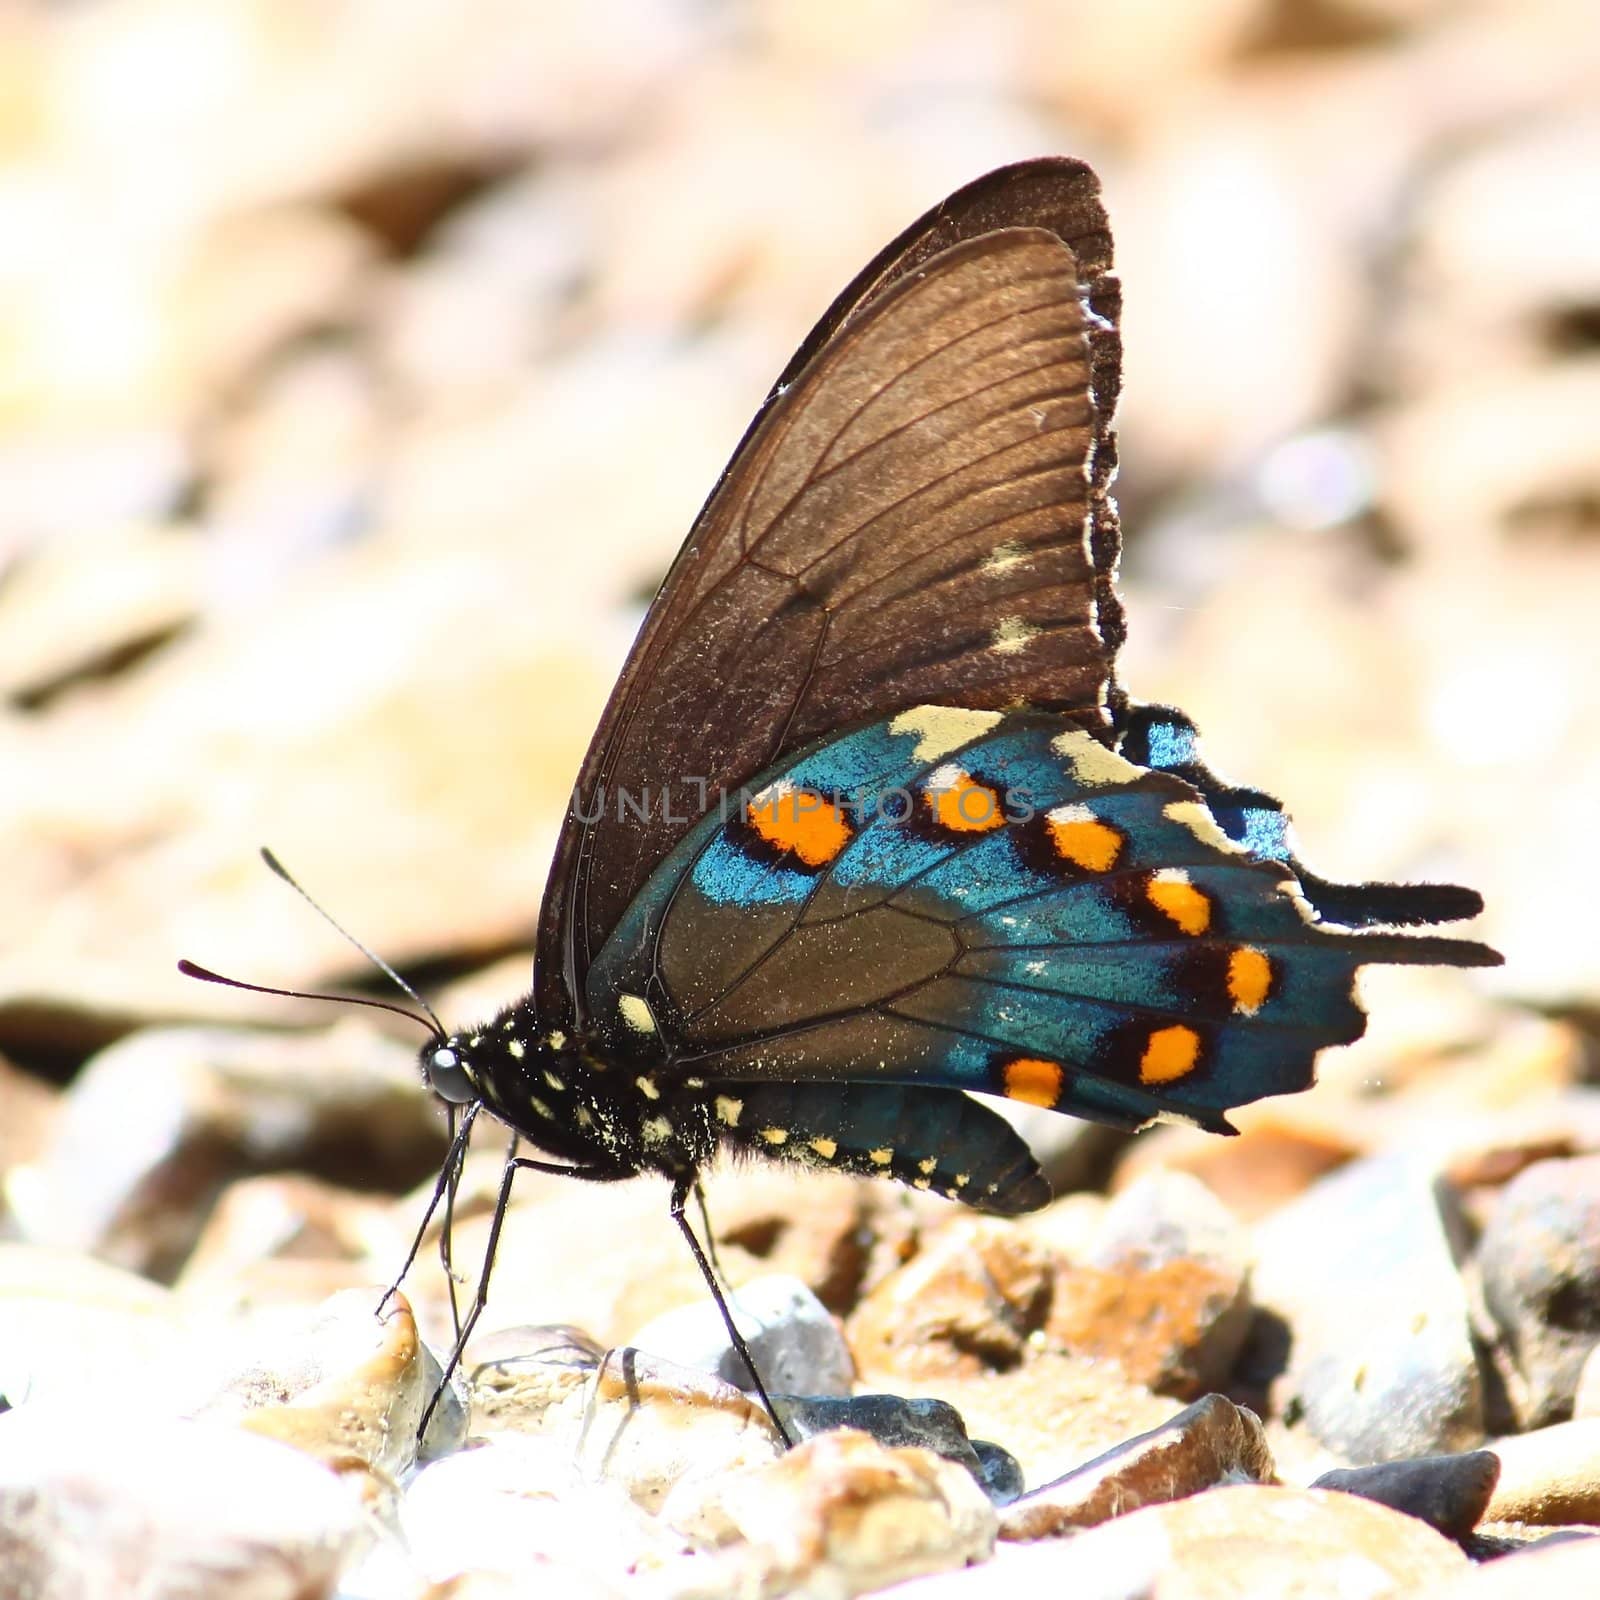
x=1091, y=762
x=928, y=1165
x=940, y=729
x=921, y=1183
x=880, y=1158
x=514, y=1049
x=636, y=1013
x=775, y=1136
x=729, y=1109
x=647, y=1086
x=556, y=1040
x=826, y=1148
x=656, y=1130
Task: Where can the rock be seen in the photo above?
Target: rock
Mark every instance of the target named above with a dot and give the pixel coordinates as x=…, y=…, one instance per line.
x=1164, y=1290
x=999, y=1472
x=341, y=1383
x=657, y=1430
x=517, y=1505
x=1212, y=1442
x=1539, y=1262
x=1586, y=1399
x=1551, y=1475
x=93, y=1505
x=796, y=1345
x=77, y=606
x=297, y=470
x=897, y=1422
x=1248, y=1540
x=1570, y=1567
x=76, y=1330
x=1449, y=1493
x=840, y=1515
x=156, y=1125
x=1273, y=1160
x=1358, y=1279
x=28, y=1111
x=969, y=1302
x=522, y=1378
x=624, y=1417
x=287, y=1238
x=840, y=1235
x=1053, y=1414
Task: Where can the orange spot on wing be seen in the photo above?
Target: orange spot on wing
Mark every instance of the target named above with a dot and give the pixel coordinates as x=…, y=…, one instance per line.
x=1085, y=841
x=1249, y=979
x=1175, y=897
x=800, y=822
x=1036, y=1082
x=966, y=806
x=1169, y=1053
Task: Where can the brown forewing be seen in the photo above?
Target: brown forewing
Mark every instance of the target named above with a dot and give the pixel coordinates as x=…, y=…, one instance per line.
x=918, y=514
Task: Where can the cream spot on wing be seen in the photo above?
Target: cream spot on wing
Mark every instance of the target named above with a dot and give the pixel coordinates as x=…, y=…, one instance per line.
x=729, y=1109
x=557, y=1040
x=514, y=1049
x=1091, y=762
x=554, y=1082
x=540, y=1109
x=880, y=1158
x=1197, y=818
x=647, y=1086
x=921, y=1183
x=826, y=1148
x=940, y=729
x=928, y=1165
x=961, y=1180
x=636, y=1013
x=583, y=1117
x=775, y=1136
x=1003, y=558
x=1012, y=635
x=657, y=1130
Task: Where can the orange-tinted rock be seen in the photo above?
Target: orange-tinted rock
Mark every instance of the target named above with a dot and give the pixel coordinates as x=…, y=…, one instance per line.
x=1211, y=1442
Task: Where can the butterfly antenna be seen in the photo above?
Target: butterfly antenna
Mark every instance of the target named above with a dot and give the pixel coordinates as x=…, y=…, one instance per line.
x=372, y=955
x=193, y=969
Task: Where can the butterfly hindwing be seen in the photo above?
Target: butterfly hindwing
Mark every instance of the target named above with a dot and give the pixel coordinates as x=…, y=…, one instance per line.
x=962, y=900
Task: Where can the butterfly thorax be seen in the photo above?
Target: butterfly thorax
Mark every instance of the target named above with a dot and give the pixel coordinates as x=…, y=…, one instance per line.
x=573, y=1099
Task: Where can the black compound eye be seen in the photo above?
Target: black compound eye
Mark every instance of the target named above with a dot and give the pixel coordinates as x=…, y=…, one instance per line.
x=447, y=1077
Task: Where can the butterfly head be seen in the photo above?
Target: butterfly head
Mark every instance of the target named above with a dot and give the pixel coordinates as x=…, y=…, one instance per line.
x=447, y=1073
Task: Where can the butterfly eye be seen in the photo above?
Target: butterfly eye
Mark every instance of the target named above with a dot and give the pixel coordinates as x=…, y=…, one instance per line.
x=447, y=1077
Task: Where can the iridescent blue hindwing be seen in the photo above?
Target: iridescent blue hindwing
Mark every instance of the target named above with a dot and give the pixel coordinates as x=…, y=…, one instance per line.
x=961, y=900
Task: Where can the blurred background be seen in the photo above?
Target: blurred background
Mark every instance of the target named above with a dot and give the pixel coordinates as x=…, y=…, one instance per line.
x=363, y=363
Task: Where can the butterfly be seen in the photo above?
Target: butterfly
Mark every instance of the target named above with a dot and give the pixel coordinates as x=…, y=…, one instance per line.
x=869, y=822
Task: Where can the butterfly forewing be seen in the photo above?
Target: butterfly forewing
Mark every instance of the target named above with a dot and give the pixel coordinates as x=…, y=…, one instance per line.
x=919, y=514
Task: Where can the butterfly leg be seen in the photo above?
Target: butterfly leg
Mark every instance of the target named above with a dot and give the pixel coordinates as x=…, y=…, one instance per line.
x=449, y=1179
x=680, y=1197
x=514, y=1164
x=447, y=1230
x=711, y=1238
